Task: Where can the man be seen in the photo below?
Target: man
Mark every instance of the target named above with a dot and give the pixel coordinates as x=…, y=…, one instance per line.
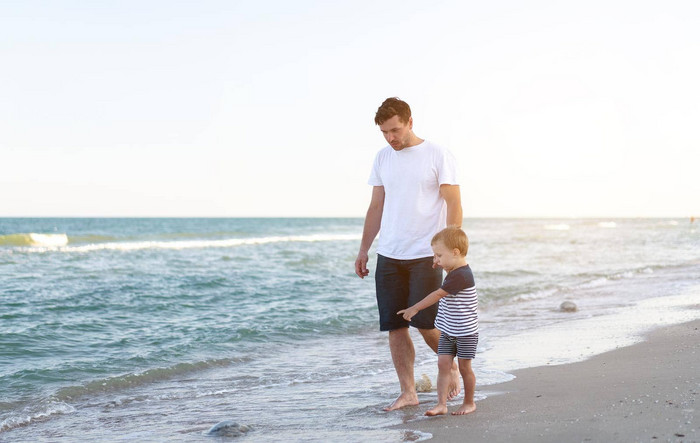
x=415, y=194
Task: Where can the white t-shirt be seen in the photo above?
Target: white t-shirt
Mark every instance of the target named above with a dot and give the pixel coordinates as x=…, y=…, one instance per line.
x=414, y=211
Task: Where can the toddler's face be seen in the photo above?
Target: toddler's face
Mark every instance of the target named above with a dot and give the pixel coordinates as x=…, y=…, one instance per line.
x=444, y=257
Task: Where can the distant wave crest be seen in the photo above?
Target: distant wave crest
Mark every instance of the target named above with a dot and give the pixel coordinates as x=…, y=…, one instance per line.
x=34, y=239
x=557, y=227
x=180, y=244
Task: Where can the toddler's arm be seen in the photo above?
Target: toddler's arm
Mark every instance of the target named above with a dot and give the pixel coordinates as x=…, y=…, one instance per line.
x=429, y=300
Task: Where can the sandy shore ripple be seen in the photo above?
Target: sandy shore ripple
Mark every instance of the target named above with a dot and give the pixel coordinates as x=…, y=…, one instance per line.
x=648, y=392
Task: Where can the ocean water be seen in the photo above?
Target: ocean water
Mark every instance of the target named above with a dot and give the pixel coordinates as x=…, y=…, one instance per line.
x=158, y=329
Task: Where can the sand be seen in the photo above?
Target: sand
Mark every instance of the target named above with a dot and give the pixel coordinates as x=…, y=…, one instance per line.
x=648, y=392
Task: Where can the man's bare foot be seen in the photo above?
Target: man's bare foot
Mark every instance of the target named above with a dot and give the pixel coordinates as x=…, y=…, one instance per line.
x=465, y=409
x=402, y=401
x=455, y=386
x=437, y=410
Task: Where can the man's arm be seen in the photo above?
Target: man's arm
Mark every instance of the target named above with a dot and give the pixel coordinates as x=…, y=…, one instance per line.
x=373, y=221
x=453, y=198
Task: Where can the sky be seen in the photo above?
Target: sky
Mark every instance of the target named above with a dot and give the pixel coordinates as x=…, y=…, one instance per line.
x=266, y=108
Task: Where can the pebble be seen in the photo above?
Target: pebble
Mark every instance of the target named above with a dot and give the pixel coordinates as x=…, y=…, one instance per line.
x=228, y=429
x=424, y=384
x=568, y=306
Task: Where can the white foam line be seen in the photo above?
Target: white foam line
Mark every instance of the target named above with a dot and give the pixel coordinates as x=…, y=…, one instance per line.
x=558, y=227
x=192, y=244
x=27, y=416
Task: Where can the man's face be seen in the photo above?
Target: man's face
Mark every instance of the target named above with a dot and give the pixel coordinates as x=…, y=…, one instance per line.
x=396, y=132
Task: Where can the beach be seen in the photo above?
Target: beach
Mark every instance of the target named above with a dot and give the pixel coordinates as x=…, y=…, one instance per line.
x=159, y=329
x=648, y=391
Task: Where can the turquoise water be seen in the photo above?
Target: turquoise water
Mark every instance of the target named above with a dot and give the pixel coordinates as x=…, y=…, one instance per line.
x=157, y=329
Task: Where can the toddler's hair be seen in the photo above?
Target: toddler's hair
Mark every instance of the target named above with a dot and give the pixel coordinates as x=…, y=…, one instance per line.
x=453, y=237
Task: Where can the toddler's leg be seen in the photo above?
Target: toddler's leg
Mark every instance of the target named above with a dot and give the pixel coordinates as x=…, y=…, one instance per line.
x=465, y=368
x=443, y=384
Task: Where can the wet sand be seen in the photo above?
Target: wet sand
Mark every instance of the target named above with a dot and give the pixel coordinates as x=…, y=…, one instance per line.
x=645, y=392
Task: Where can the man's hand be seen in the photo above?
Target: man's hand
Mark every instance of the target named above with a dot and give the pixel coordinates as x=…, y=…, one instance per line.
x=408, y=313
x=361, y=265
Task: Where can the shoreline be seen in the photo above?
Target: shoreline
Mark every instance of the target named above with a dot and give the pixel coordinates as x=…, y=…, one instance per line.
x=647, y=391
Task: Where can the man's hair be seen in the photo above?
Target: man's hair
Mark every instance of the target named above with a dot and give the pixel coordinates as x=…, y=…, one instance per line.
x=453, y=237
x=391, y=107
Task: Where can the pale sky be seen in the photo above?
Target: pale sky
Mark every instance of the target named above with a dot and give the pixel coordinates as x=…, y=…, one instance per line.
x=254, y=108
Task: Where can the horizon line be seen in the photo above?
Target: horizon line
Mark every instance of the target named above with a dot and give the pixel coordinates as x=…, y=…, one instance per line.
x=692, y=217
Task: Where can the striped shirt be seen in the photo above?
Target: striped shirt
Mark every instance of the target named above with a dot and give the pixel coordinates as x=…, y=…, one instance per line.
x=457, y=311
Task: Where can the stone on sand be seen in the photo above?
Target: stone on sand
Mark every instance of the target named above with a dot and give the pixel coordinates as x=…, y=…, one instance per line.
x=424, y=384
x=568, y=306
x=228, y=428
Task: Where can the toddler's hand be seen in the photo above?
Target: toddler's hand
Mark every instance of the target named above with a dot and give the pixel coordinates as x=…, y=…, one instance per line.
x=407, y=313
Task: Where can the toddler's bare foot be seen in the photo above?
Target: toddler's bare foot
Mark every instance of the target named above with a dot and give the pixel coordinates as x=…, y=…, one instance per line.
x=402, y=401
x=437, y=410
x=465, y=409
x=455, y=386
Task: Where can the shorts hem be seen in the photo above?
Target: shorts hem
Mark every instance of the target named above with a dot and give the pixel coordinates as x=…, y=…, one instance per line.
x=423, y=326
x=391, y=328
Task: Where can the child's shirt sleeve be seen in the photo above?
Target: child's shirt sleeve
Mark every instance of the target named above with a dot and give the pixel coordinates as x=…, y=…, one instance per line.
x=454, y=282
x=458, y=280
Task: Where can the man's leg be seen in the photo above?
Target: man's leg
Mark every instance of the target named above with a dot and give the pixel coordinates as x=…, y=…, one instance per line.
x=403, y=355
x=432, y=338
x=392, y=296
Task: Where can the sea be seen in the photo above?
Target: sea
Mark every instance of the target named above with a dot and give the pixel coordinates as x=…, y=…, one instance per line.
x=158, y=329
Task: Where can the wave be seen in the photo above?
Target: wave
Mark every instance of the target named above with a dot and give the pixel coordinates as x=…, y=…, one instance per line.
x=131, y=380
x=57, y=404
x=190, y=244
x=557, y=227
x=596, y=281
x=34, y=239
x=92, y=238
x=32, y=413
x=499, y=295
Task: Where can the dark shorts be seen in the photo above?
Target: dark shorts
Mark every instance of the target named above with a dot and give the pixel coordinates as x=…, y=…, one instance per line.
x=462, y=347
x=403, y=283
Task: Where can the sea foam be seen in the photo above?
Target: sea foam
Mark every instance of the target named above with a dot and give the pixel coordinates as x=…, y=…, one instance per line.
x=34, y=239
x=188, y=244
x=557, y=227
x=33, y=413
